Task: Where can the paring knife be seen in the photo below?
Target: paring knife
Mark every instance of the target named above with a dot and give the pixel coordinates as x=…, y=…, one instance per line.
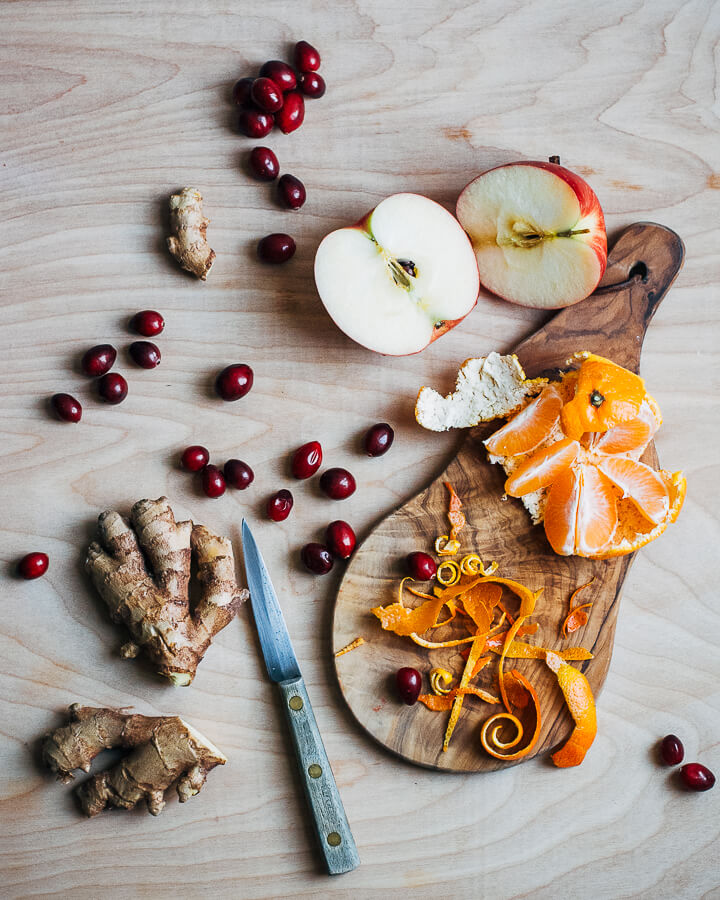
x=331, y=825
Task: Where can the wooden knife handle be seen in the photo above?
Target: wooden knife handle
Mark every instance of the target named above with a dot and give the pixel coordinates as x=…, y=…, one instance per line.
x=331, y=824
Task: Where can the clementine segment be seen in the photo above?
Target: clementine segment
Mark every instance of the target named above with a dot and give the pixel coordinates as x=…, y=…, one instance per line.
x=643, y=485
x=530, y=427
x=542, y=468
x=633, y=436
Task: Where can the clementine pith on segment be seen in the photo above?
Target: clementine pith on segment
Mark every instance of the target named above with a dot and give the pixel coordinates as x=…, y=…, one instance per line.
x=583, y=457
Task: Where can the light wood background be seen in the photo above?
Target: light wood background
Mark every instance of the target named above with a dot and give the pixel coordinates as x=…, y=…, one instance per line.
x=105, y=108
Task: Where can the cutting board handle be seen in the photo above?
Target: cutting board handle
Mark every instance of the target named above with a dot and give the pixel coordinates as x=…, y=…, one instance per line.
x=642, y=265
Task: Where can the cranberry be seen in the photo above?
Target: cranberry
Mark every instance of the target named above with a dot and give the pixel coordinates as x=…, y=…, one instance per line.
x=98, y=360
x=291, y=116
x=307, y=460
x=238, y=474
x=378, y=439
x=241, y=91
x=194, y=458
x=408, y=683
x=421, y=566
x=697, y=777
x=307, y=59
x=312, y=84
x=276, y=248
x=340, y=539
x=33, y=565
x=291, y=191
x=264, y=164
x=112, y=388
x=147, y=322
x=316, y=558
x=213, y=481
x=145, y=354
x=337, y=483
x=255, y=123
x=279, y=506
x=234, y=381
x=279, y=72
x=672, y=750
x=266, y=94
x=66, y=407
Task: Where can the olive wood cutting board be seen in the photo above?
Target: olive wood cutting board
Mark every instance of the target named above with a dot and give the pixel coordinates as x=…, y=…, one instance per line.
x=612, y=322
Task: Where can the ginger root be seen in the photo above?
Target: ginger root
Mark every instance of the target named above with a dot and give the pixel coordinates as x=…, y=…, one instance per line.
x=164, y=749
x=188, y=241
x=155, y=605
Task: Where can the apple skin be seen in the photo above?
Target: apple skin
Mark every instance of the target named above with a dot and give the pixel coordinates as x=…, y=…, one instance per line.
x=363, y=224
x=588, y=203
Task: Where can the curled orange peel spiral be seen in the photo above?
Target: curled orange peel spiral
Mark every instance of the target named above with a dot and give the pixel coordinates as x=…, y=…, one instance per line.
x=581, y=703
x=493, y=744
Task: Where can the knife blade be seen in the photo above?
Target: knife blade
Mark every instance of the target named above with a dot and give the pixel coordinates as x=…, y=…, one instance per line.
x=331, y=825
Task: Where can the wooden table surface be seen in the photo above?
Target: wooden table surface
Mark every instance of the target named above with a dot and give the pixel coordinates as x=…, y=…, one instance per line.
x=105, y=108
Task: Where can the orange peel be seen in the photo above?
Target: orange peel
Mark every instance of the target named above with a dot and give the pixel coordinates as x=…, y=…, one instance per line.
x=353, y=645
x=440, y=680
x=581, y=703
x=494, y=745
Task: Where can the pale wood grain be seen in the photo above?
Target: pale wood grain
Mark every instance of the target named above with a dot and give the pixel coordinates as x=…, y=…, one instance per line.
x=105, y=108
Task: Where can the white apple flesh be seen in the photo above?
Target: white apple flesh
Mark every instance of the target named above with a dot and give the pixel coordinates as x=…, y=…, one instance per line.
x=538, y=232
x=400, y=278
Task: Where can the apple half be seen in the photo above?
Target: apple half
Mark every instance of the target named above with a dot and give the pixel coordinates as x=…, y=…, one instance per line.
x=400, y=278
x=538, y=233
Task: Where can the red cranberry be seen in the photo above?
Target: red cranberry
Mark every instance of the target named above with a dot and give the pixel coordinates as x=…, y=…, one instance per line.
x=316, y=558
x=291, y=116
x=213, y=481
x=66, y=407
x=408, y=683
x=340, y=538
x=112, y=388
x=307, y=59
x=266, y=94
x=279, y=72
x=291, y=191
x=279, y=506
x=378, y=439
x=264, y=164
x=672, y=750
x=421, y=566
x=234, y=381
x=276, y=248
x=337, y=483
x=255, y=123
x=697, y=777
x=98, y=360
x=145, y=354
x=33, y=565
x=312, y=84
x=307, y=460
x=194, y=458
x=241, y=91
x=148, y=323
x=238, y=474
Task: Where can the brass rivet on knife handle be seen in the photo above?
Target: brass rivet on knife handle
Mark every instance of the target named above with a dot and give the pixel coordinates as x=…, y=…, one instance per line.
x=295, y=703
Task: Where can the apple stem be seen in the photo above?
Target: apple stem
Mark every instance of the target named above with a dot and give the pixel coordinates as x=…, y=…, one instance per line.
x=554, y=159
x=571, y=233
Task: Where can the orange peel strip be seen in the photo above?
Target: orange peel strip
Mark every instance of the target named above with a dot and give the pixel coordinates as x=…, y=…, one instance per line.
x=453, y=578
x=443, y=704
x=403, y=621
x=520, y=650
x=496, y=722
x=581, y=703
x=353, y=645
x=440, y=680
x=476, y=651
x=444, y=546
x=565, y=628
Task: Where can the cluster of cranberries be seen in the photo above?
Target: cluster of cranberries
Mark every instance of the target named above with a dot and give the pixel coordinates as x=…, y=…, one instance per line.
x=338, y=484
x=276, y=97
x=98, y=360
x=235, y=472
x=694, y=776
